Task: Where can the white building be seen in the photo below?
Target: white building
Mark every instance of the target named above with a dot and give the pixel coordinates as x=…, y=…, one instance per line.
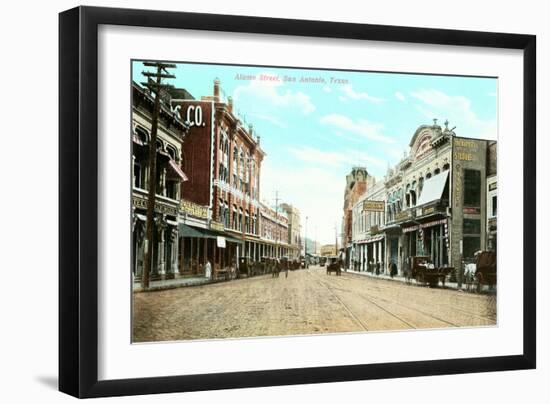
x=368, y=220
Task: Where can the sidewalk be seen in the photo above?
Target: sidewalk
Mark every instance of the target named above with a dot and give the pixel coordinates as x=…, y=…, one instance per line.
x=173, y=283
x=448, y=285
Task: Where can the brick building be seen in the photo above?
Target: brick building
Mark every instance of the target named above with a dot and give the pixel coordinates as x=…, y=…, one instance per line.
x=223, y=160
x=357, y=182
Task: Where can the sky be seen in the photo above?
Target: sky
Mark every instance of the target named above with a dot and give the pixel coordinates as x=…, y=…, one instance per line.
x=315, y=128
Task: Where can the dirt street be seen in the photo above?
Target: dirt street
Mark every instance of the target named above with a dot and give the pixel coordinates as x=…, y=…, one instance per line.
x=307, y=302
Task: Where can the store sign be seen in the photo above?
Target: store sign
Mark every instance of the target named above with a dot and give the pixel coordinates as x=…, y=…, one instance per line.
x=373, y=206
x=465, y=150
x=216, y=226
x=220, y=241
x=160, y=207
x=492, y=186
x=403, y=215
x=193, y=209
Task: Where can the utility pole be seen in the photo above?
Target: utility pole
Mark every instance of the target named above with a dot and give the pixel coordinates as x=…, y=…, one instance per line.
x=154, y=84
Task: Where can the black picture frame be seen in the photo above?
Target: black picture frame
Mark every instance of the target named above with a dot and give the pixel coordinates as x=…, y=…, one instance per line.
x=78, y=200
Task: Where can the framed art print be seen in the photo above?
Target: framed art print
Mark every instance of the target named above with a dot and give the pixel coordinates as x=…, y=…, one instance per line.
x=251, y=201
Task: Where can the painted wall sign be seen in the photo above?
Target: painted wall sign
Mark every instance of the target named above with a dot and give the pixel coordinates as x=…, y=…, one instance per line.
x=373, y=206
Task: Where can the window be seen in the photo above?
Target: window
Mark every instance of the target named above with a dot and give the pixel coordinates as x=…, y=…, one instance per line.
x=172, y=189
x=234, y=224
x=471, y=244
x=471, y=226
x=472, y=188
x=137, y=175
x=494, y=206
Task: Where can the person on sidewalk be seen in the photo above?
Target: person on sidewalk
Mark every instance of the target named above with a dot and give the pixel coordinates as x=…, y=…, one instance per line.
x=393, y=269
x=208, y=270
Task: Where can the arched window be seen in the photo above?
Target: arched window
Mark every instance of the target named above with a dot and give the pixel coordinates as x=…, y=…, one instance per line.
x=446, y=167
x=160, y=146
x=241, y=164
x=437, y=171
x=428, y=176
x=234, y=222
x=142, y=134
x=171, y=152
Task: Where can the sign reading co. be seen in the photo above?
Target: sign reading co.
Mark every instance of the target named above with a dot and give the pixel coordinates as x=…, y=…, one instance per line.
x=193, y=114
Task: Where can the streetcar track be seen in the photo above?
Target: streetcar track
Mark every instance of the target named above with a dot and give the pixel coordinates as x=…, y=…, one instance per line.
x=469, y=313
x=353, y=316
x=362, y=295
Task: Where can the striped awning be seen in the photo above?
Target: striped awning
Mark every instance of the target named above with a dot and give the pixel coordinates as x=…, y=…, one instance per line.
x=136, y=139
x=176, y=169
x=371, y=239
x=410, y=229
x=434, y=223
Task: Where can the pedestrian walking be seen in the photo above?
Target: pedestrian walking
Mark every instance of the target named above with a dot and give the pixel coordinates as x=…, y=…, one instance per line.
x=392, y=269
x=208, y=270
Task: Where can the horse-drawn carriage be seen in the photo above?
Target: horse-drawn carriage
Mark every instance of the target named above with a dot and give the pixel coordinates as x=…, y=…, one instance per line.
x=486, y=269
x=425, y=272
x=334, y=264
x=245, y=267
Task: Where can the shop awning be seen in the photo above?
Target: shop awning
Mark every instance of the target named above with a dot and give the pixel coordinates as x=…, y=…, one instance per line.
x=176, y=170
x=227, y=237
x=188, y=231
x=433, y=188
x=136, y=139
x=371, y=239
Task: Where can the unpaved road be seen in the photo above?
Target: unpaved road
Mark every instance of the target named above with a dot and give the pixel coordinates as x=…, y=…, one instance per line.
x=307, y=302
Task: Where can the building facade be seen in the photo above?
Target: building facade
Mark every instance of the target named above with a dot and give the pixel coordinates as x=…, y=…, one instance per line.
x=221, y=217
x=274, y=229
x=357, y=183
x=328, y=250
x=438, y=202
x=492, y=197
x=294, y=230
x=170, y=134
x=368, y=221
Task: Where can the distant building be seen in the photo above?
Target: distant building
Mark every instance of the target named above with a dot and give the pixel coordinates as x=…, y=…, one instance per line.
x=357, y=182
x=328, y=250
x=294, y=229
x=368, y=220
x=274, y=227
